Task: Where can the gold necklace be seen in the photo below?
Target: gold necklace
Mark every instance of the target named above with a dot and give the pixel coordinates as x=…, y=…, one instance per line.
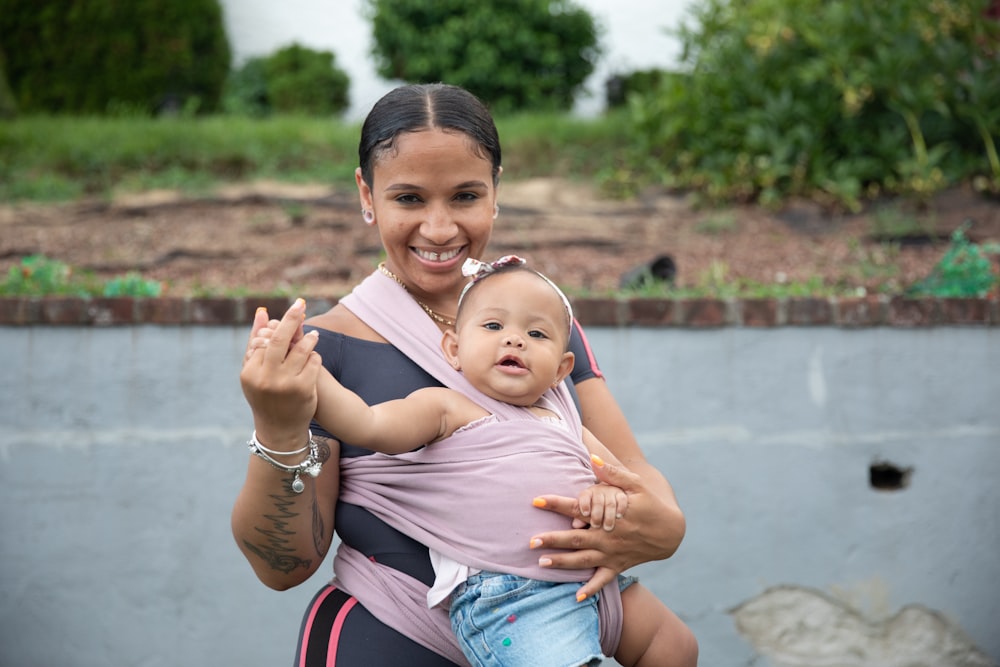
x=436, y=316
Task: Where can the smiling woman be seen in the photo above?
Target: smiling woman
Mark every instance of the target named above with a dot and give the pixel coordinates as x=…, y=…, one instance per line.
x=427, y=184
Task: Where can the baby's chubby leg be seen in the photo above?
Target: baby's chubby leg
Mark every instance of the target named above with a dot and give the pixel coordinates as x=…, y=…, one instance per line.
x=652, y=635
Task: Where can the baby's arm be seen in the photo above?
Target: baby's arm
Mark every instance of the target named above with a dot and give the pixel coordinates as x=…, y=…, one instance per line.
x=601, y=503
x=392, y=427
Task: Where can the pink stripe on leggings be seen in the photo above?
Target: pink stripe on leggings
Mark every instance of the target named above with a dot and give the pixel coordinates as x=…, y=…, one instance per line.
x=338, y=625
x=309, y=625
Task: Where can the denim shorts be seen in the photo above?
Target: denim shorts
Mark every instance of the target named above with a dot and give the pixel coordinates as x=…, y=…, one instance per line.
x=503, y=620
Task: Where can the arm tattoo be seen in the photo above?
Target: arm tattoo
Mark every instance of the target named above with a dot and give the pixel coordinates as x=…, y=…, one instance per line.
x=275, y=550
x=319, y=530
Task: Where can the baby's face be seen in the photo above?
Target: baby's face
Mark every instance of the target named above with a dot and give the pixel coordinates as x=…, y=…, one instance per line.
x=512, y=337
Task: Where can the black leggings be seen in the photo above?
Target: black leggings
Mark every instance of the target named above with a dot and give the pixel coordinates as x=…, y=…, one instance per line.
x=367, y=642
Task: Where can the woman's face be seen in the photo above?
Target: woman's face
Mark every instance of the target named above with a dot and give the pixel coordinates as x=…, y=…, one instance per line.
x=433, y=199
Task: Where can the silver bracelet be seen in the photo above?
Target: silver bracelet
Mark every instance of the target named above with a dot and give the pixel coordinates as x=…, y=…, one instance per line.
x=311, y=465
x=257, y=443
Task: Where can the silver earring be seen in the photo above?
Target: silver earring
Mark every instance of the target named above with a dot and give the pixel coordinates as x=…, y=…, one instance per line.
x=496, y=211
x=368, y=216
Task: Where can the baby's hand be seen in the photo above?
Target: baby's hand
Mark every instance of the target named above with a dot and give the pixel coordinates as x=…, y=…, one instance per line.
x=603, y=504
x=263, y=336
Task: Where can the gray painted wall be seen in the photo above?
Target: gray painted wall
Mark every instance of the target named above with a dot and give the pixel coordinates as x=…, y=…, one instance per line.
x=121, y=452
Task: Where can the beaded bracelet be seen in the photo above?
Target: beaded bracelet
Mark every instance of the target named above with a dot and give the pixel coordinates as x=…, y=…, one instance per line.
x=311, y=465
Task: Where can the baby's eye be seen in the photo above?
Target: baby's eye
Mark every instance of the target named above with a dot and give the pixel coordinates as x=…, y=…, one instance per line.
x=537, y=334
x=493, y=326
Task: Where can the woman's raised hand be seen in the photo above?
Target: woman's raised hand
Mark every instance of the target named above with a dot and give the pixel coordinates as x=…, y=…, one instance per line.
x=279, y=377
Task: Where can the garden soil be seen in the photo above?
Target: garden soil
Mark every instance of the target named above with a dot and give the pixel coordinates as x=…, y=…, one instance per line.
x=270, y=238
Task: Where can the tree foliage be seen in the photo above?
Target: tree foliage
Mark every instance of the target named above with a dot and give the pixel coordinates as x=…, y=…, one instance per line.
x=293, y=79
x=835, y=99
x=93, y=56
x=513, y=54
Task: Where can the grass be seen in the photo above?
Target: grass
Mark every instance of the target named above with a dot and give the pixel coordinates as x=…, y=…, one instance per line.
x=43, y=155
x=59, y=158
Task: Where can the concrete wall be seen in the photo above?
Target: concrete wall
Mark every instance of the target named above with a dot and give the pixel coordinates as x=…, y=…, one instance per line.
x=121, y=452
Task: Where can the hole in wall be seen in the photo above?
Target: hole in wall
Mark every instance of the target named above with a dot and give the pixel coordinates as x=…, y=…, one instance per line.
x=886, y=476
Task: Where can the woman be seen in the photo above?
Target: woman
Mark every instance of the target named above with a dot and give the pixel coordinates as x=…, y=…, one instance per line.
x=428, y=176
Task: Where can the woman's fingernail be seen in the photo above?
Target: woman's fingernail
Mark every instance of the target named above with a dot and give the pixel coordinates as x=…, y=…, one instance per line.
x=300, y=304
x=535, y=543
x=580, y=597
x=538, y=502
x=597, y=460
x=544, y=562
x=261, y=309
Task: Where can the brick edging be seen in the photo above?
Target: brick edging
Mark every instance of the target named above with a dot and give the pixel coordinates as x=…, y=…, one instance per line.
x=850, y=312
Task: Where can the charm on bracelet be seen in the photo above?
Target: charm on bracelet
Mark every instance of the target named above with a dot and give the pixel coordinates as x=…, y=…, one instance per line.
x=312, y=465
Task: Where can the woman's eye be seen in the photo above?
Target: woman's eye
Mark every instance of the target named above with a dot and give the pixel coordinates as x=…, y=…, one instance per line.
x=467, y=196
x=408, y=199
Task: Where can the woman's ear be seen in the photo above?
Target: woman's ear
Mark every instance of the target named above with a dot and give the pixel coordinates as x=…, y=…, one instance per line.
x=364, y=191
x=449, y=345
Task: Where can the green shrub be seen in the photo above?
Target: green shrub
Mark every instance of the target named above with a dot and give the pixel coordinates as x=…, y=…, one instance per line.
x=618, y=87
x=306, y=81
x=515, y=55
x=965, y=270
x=245, y=92
x=293, y=79
x=833, y=99
x=89, y=56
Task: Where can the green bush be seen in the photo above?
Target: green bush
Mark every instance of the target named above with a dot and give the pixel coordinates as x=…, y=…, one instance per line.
x=93, y=56
x=965, y=270
x=619, y=87
x=293, y=79
x=833, y=99
x=515, y=55
x=245, y=92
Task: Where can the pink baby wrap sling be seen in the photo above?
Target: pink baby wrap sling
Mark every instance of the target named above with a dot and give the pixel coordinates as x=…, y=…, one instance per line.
x=441, y=495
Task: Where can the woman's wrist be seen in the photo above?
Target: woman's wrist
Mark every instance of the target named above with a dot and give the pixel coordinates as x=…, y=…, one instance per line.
x=310, y=465
x=282, y=442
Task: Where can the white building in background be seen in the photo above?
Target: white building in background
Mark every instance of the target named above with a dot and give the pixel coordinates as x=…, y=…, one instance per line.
x=635, y=36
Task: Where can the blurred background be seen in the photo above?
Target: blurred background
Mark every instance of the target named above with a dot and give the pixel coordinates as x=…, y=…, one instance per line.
x=636, y=35
x=839, y=481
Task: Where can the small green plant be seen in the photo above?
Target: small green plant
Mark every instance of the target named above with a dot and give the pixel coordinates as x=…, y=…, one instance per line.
x=132, y=284
x=38, y=275
x=965, y=269
x=296, y=211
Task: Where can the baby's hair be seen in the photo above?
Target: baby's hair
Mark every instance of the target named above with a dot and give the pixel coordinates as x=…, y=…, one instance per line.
x=568, y=309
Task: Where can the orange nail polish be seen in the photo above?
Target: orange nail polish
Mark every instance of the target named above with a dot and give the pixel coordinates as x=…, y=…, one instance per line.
x=580, y=597
x=597, y=460
x=535, y=543
x=538, y=502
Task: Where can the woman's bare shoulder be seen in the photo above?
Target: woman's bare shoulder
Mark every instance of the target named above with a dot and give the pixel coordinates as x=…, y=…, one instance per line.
x=342, y=320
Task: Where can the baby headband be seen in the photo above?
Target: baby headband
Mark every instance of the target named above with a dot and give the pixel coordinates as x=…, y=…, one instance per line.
x=476, y=270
